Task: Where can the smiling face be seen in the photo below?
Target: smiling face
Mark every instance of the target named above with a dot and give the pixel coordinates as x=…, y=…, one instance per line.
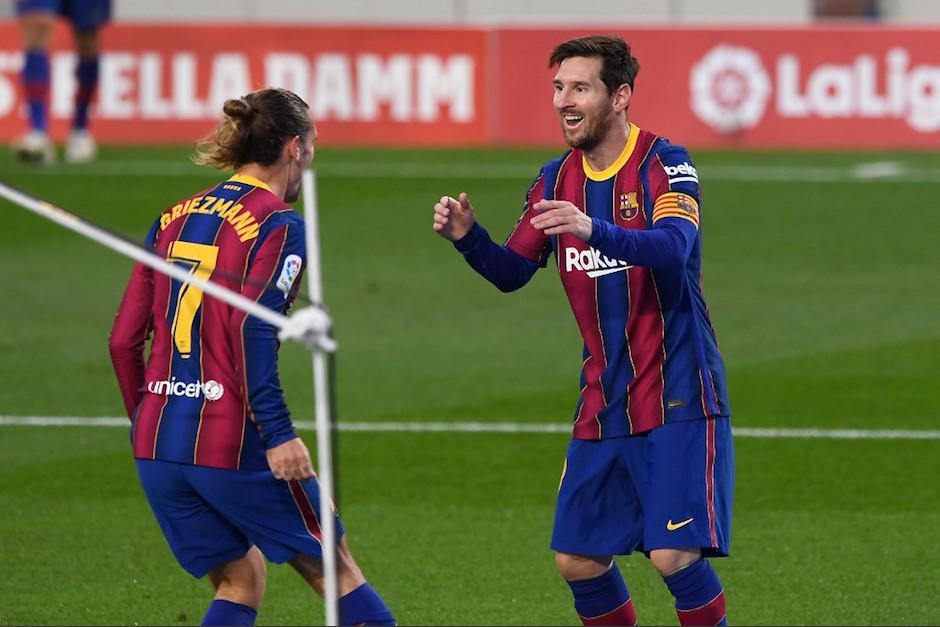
x=586, y=109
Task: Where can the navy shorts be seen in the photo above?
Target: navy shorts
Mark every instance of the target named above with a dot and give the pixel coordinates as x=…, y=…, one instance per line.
x=85, y=15
x=672, y=487
x=211, y=516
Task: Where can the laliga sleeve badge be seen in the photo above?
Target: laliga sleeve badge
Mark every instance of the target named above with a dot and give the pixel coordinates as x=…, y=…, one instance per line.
x=289, y=273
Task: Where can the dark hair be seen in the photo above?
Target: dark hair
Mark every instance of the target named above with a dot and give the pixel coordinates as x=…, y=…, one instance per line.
x=618, y=65
x=254, y=129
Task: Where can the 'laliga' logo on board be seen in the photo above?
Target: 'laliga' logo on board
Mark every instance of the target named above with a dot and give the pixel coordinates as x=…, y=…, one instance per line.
x=731, y=88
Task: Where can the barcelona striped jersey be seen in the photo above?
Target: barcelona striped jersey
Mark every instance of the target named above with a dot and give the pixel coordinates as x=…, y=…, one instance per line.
x=650, y=354
x=209, y=394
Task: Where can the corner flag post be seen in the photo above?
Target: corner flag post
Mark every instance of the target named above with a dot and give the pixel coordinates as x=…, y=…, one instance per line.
x=321, y=405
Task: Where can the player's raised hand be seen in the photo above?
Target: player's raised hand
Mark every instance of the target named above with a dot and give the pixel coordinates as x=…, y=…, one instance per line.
x=560, y=216
x=453, y=217
x=291, y=461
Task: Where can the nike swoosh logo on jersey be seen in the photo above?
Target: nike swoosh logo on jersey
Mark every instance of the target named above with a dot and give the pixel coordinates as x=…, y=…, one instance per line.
x=596, y=273
x=670, y=526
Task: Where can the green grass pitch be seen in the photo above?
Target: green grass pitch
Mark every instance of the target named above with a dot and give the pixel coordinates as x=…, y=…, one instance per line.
x=822, y=273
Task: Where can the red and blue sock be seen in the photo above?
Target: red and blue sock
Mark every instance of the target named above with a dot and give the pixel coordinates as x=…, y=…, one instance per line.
x=222, y=612
x=603, y=600
x=35, y=78
x=364, y=606
x=700, y=598
x=87, y=76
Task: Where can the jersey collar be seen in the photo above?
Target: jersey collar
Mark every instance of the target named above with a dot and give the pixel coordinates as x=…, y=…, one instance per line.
x=606, y=173
x=249, y=180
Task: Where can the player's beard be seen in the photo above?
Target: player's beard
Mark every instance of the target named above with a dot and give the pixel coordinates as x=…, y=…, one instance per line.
x=592, y=134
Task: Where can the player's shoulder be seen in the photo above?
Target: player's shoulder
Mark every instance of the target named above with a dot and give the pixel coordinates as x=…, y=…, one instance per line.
x=559, y=160
x=669, y=154
x=671, y=162
x=288, y=224
x=284, y=215
x=668, y=167
x=549, y=171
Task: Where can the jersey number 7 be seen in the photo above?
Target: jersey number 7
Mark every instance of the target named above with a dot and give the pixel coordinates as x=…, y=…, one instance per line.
x=200, y=259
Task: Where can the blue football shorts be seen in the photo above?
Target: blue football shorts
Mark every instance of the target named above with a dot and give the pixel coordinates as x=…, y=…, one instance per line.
x=211, y=516
x=671, y=487
x=85, y=15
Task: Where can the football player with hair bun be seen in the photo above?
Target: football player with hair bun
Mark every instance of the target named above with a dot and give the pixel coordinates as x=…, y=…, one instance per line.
x=228, y=479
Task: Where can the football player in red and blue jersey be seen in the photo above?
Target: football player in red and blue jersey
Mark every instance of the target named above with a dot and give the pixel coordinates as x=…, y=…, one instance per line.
x=37, y=19
x=650, y=466
x=227, y=478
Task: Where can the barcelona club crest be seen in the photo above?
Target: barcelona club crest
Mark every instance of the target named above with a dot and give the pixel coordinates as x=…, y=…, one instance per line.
x=687, y=204
x=629, y=207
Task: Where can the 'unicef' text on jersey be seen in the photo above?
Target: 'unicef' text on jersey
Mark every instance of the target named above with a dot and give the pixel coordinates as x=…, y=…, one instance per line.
x=212, y=389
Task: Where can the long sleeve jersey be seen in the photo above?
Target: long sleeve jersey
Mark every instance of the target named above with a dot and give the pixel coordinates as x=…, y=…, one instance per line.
x=210, y=394
x=650, y=354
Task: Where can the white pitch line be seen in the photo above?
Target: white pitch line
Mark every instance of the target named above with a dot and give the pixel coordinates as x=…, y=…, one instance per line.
x=838, y=434
x=507, y=427
x=867, y=172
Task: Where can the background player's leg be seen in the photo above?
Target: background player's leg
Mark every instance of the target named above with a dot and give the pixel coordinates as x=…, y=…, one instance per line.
x=600, y=593
x=36, y=30
x=239, y=588
x=359, y=603
x=81, y=146
x=700, y=597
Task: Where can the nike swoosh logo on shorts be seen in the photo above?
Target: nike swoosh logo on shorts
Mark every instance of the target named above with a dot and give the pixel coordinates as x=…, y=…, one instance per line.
x=670, y=526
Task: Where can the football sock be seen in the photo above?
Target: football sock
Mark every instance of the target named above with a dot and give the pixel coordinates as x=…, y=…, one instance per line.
x=603, y=600
x=222, y=612
x=87, y=75
x=700, y=599
x=364, y=606
x=36, y=84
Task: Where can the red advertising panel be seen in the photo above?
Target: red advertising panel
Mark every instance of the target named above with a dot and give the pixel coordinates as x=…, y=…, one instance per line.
x=166, y=83
x=847, y=87
x=813, y=87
